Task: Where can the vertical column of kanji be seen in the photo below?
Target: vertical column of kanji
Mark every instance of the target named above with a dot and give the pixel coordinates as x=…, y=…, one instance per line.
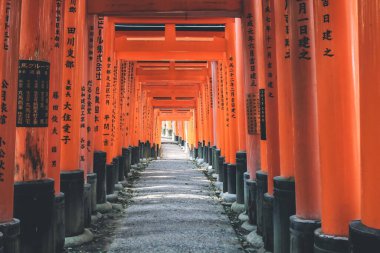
x=252, y=57
x=221, y=123
x=34, y=193
x=10, y=13
x=123, y=115
x=72, y=177
x=231, y=96
x=338, y=94
x=89, y=113
x=210, y=113
x=284, y=187
x=306, y=146
x=364, y=234
x=107, y=91
x=54, y=156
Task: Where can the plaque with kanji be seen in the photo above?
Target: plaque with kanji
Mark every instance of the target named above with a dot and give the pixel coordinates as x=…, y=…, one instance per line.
x=33, y=94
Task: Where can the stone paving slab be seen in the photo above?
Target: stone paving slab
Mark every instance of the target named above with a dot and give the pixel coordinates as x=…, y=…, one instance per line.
x=173, y=211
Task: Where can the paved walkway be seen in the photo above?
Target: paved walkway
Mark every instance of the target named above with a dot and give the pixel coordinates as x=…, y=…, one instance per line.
x=173, y=211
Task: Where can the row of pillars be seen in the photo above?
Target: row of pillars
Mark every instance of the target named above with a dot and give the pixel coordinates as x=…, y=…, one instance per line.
x=297, y=96
x=73, y=120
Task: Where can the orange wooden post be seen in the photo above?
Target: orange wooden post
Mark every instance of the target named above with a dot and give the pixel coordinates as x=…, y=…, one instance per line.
x=364, y=234
x=254, y=74
x=72, y=177
x=55, y=118
x=32, y=132
x=10, y=13
x=338, y=116
x=306, y=146
x=271, y=101
x=284, y=186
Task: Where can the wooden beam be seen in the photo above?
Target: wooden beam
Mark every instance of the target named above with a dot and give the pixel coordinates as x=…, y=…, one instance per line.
x=166, y=8
x=173, y=104
x=171, y=56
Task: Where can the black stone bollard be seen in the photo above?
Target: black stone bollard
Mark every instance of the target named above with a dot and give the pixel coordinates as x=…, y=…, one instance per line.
x=100, y=170
x=92, y=180
x=262, y=188
x=209, y=155
x=363, y=238
x=87, y=205
x=284, y=206
x=268, y=222
x=121, y=170
x=231, y=170
x=126, y=153
x=225, y=177
x=72, y=185
x=332, y=244
x=59, y=220
x=116, y=168
x=34, y=207
x=241, y=168
x=252, y=207
x=302, y=234
x=246, y=190
x=11, y=236
x=1, y=243
x=221, y=168
x=110, y=179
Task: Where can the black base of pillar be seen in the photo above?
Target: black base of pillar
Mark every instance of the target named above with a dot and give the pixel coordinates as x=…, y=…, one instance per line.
x=110, y=169
x=205, y=153
x=200, y=151
x=100, y=170
x=127, y=153
x=252, y=208
x=59, y=220
x=284, y=206
x=225, y=177
x=231, y=170
x=72, y=185
x=1, y=243
x=262, y=188
x=330, y=244
x=116, y=168
x=221, y=168
x=11, y=236
x=176, y=138
x=246, y=190
x=363, y=238
x=135, y=155
x=302, y=234
x=92, y=180
x=87, y=205
x=121, y=177
x=34, y=207
x=241, y=168
x=216, y=163
x=195, y=153
x=268, y=222
x=209, y=155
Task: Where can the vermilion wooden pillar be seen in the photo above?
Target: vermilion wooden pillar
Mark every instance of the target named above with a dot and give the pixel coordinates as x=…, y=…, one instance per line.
x=271, y=102
x=252, y=55
x=306, y=147
x=10, y=13
x=284, y=186
x=364, y=234
x=338, y=94
x=55, y=117
x=72, y=177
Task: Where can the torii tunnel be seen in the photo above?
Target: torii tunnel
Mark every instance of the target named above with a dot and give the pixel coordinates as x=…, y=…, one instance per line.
x=280, y=97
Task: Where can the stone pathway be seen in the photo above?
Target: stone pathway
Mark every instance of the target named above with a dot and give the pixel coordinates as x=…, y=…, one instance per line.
x=173, y=210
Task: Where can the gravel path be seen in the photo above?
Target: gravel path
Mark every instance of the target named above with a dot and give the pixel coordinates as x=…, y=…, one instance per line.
x=173, y=210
